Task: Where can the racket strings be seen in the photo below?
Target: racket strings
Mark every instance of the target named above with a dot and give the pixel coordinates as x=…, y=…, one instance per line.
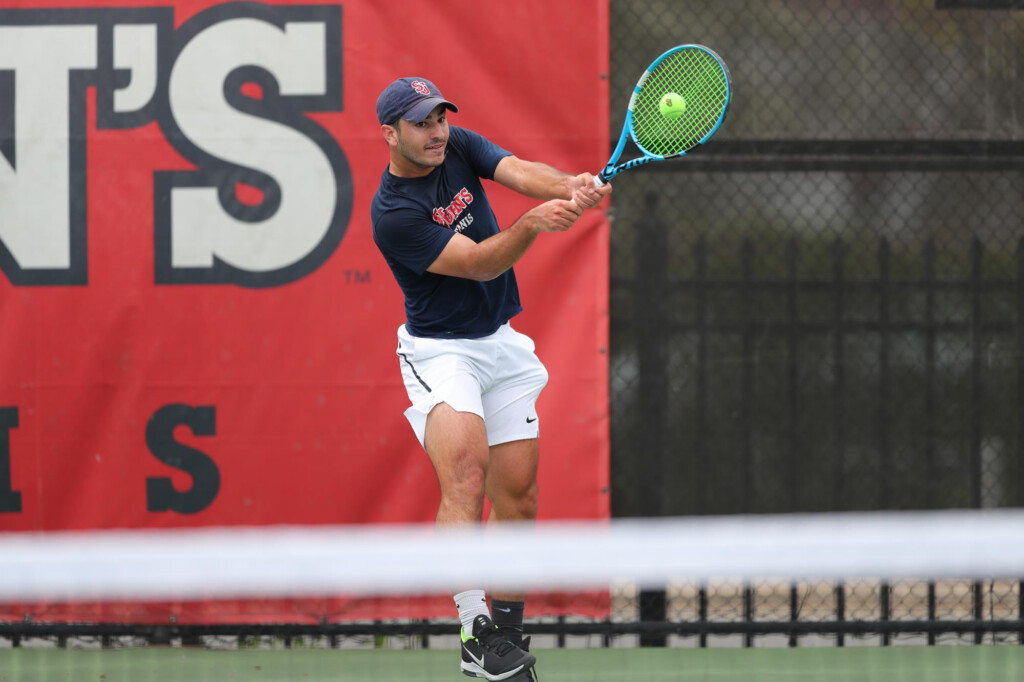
x=703, y=83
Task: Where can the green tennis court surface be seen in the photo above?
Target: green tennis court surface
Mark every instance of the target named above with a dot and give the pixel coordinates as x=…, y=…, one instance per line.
x=852, y=664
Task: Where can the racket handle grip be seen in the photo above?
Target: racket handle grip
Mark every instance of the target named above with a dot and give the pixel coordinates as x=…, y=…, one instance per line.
x=599, y=180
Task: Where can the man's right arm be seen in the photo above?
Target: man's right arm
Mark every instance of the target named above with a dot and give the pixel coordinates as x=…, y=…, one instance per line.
x=462, y=257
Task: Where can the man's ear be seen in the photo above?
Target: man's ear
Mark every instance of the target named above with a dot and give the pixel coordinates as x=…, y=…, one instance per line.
x=390, y=134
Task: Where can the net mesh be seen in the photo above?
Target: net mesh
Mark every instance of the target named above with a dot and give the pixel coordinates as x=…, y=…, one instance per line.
x=796, y=584
x=697, y=78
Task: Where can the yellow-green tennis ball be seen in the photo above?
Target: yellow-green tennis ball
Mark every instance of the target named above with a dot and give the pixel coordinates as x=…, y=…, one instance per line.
x=672, y=105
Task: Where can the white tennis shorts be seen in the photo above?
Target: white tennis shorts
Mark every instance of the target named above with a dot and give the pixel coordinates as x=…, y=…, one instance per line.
x=498, y=377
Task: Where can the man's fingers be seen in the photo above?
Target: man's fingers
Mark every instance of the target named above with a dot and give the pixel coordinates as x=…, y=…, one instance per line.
x=588, y=197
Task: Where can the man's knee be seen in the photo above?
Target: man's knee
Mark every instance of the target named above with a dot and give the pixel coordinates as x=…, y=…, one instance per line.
x=465, y=476
x=516, y=500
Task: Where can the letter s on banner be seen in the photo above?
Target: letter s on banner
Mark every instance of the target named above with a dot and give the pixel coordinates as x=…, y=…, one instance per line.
x=203, y=232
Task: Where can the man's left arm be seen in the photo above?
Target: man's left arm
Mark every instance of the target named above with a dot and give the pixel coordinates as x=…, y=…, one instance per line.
x=541, y=181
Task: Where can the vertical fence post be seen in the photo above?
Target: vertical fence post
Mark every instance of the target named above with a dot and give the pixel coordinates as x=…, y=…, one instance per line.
x=839, y=364
x=1019, y=331
x=652, y=341
x=747, y=410
x=930, y=343
x=651, y=295
x=977, y=396
x=839, y=404
x=1019, y=492
x=841, y=612
x=702, y=614
x=701, y=405
x=884, y=378
x=929, y=401
x=977, y=390
x=746, y=397
x=884, y=404
x=793, y=372
x=700, y=454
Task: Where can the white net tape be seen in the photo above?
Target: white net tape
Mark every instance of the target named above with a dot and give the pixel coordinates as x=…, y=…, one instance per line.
x=383, y=560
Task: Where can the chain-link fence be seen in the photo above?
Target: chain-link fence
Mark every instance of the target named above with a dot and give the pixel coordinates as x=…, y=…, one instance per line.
x=823, y=309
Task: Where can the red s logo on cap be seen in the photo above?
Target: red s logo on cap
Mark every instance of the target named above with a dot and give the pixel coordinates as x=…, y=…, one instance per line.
x=420, y=87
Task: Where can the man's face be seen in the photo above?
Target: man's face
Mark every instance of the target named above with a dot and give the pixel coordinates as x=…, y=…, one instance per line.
x=423, y=144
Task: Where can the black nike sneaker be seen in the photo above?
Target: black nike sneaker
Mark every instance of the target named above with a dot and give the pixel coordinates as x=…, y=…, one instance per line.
x=487, y=654
x=529, y=675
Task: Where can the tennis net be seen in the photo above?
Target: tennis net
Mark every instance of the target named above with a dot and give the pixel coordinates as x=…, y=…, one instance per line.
x=740, y=597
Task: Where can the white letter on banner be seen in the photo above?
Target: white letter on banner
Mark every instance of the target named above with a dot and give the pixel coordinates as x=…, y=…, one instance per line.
x=35, y=190
x=202, y=230
x=135, y=50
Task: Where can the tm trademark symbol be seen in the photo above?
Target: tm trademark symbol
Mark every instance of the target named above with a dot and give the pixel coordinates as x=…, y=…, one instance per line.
x=357, y=277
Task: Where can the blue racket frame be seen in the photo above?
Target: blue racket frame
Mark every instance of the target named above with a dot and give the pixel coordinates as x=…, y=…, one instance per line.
x=612, y=169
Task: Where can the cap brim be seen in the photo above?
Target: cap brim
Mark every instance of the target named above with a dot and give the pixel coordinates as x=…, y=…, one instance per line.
x=422, y=109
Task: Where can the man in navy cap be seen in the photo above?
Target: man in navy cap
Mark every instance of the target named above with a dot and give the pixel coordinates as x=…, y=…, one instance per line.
x=472, y=380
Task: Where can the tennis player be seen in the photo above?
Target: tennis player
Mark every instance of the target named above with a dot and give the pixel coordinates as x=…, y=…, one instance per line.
x=472, y=379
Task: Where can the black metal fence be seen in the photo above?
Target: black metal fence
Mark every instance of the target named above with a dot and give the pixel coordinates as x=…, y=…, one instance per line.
x=813, y=388
x=823, y=309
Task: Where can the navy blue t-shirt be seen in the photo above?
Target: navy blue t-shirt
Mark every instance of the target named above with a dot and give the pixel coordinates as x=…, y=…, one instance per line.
x=413, y=220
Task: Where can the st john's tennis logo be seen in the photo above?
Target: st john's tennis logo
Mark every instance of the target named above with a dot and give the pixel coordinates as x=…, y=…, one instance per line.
x=449, y=214
x=267, y=195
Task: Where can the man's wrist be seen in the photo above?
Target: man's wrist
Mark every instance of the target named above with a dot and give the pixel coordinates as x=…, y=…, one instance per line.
x=572, y=183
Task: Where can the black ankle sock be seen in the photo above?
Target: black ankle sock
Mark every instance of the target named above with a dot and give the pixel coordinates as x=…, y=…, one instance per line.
x=508, y=616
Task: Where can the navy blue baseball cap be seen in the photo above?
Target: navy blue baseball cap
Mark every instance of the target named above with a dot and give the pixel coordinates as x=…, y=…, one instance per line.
x=410, y=98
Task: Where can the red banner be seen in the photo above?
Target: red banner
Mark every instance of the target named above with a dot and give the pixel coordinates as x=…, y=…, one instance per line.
x=197, y=329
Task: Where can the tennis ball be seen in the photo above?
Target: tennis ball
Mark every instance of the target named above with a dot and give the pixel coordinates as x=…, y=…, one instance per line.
x=672, y=105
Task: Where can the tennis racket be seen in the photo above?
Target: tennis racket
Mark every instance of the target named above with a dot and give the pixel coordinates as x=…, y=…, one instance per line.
x=678, y=104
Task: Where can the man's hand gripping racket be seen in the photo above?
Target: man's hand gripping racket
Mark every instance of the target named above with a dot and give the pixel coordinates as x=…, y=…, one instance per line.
x=678, y=104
